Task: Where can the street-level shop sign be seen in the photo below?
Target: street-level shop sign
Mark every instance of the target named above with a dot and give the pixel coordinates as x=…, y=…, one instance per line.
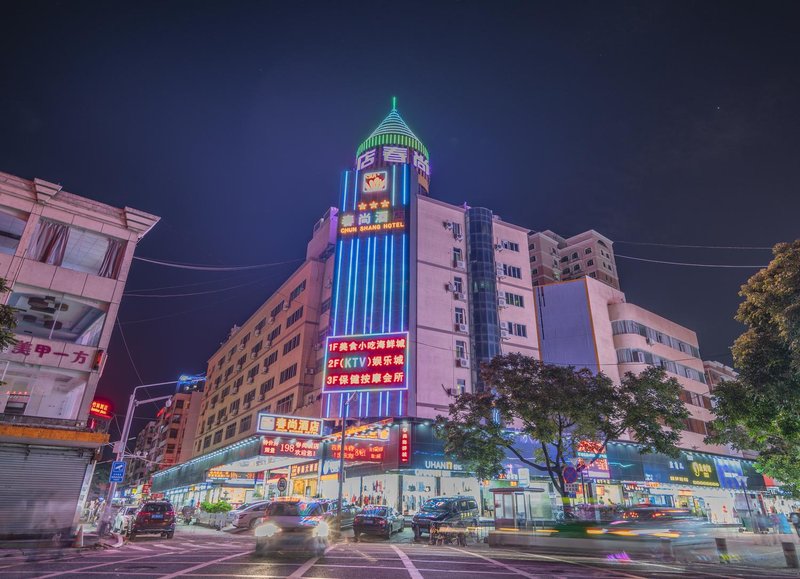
x=304, y=468
x=366, y=363
x=282, y=484
x=277, y=424
x=358, y=451
x=291, y=447
x=100, y=409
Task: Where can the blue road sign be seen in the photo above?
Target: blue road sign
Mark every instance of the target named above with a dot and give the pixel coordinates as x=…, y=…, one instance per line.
x=117, y=472
x=570, y=474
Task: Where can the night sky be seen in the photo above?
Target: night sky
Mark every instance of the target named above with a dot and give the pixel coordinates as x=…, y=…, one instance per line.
x=673, y=122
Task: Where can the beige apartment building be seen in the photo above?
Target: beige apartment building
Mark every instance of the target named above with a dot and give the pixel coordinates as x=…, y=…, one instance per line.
x=66, y=259
x=554, y=258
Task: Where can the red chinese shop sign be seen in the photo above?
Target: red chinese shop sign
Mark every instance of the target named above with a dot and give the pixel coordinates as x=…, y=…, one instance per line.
x=366, y=363
x=291, y=447
x=358, y=451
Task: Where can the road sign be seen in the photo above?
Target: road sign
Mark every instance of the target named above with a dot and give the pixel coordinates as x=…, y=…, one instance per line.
x=281, y=484
x=570, y=474
x=117, y=472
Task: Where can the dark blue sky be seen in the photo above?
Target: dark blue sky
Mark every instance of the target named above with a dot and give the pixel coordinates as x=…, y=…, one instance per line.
x=671, y=122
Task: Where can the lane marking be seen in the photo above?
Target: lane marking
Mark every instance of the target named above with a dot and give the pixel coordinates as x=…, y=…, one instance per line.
x=412, y=570
x=103, y=564
x=200, y=566
x=498, y=563
x=138, y=548
x=168, y=547
x=300, y=571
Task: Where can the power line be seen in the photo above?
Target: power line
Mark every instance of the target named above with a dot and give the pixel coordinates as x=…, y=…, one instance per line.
x=200, y=267
x=181, y=285
x=743, y=247
x=127, y=349
x=687, y=264
x=182, y=295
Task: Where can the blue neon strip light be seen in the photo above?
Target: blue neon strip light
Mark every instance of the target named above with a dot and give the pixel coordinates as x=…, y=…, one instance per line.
x=368, y=263
x=328, y=405
x=355, y=190
x=388, y=397
x=355, y=289
x=400, y=402
x=344, y=191
x=391, y=280
x=380, y=402
x=349, y=287
x=394, y=182
x=367, y=411
x=338, y=278
x=405, y=184
x=403, y=286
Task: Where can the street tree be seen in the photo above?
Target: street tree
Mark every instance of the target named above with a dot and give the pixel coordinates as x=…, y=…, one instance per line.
x=760, y=410
x=558, y=407
x=7, y=320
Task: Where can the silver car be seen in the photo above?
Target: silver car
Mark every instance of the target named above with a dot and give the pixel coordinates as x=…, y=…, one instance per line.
x=122, y=522
x=247, y=515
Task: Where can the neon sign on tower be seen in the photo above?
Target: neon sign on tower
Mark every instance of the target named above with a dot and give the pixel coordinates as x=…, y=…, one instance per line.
x=368, y=351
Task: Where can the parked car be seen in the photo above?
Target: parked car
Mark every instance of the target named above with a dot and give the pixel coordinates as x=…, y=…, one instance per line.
x=381, y=521
x=154, y=517
x=122, y=522
x=655, y=523
x=445, y=510
x=247, y=515
x=291, y=526
x=349, y=512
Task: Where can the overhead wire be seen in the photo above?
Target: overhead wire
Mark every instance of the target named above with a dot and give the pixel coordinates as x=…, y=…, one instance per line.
x=689, y=264
x=681, y=245
x=202, y=267
x=187, y=294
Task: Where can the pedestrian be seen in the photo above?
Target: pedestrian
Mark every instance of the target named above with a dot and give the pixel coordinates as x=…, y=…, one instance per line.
x=795, y=518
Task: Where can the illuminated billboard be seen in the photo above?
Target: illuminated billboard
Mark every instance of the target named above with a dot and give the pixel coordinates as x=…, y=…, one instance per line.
x=375, y=181
x=289, y=447
x=371, y=362
x=292, y=425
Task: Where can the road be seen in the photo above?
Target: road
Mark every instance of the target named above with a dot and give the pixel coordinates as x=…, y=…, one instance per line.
x=203, y=553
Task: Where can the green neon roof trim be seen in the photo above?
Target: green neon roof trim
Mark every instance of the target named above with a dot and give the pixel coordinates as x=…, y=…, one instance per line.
x=393, y=130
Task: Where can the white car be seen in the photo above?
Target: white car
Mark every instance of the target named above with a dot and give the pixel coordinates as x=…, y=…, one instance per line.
x=122, y=522
x=247, y=515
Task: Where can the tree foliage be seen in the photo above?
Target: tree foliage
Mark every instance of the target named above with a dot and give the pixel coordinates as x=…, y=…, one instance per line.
x=7, y=320
x=760, y=411
x=558, y=407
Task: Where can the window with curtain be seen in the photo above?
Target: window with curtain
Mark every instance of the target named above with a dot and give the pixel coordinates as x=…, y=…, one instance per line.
x=12, y=224
x=77, y=249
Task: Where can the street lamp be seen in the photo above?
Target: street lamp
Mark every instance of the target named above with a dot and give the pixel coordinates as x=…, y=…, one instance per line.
x=183, y=381
x=341, y=458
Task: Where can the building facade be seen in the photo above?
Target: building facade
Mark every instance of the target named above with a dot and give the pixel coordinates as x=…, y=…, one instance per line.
x=66, y=259
x=554, y=258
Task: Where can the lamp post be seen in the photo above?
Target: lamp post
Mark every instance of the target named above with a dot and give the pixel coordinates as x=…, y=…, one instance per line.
x=183, y=380
x=341, y=458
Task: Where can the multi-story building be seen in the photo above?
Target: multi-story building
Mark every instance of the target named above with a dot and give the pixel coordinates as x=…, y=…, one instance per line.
x=66, y=259
x=717, y=372
x=141, y=467
x=554, y=258
x=176, y=428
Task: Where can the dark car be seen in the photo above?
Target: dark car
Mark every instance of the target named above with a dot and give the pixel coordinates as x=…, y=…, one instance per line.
x=154, y=517
x=650, y=523
x=381, y=521
x=445, y=510
x=292, y=526
x=349, y=512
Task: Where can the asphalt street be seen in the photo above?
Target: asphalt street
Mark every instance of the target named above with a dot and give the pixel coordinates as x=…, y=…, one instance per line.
x=201, y=553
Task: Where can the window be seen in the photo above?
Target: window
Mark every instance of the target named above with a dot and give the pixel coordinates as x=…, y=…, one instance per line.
x=512, y=271
x=256, y=349
x=252, y=373
x=76, y=249
x=285, y=405
x=240, y=363
x=210, y=421
x=520, y=330
x=173, y=433
x=515, y=300
x=461, y=386
x=460, y=316
x=458, y=257
x=244, y=424
x=456, y=229
x=274, y=334
x=207, y=442
x=696, y=426
x=535, y=271
x=296, y=315
x=178, y=404
x=576, y=267
x=250, y=396
x=238, y=384
x=277, y=310
x=266, y=387
x=230, y=431
x=214, y=401
x=288, y=373
x=244, y=341
x=509, y=245
x=564, y=259
x=55, y=316
x=225, y=392
x=270, y=360
x=326, y=305
x=458, y=285
x=228, y=372
x=531, y=246
x=565, y=271
x=12, y=224
x=461, y=349
x=217, y=437
x=533, y=258
x=222, y=414
x=260, y=326
x=298, y=290
x=590, y=263
x=234, y=407
x=291, y=344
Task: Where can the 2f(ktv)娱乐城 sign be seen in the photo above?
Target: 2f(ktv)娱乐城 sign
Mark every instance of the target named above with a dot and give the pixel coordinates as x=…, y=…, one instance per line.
x=366, y=363
x=288, y=425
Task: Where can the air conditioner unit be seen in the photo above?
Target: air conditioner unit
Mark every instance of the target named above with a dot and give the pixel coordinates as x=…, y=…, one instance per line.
x=458, y=236
x=234, y=412
x=257, y=331
x=309, y=399
x=265, y=370
x=311, y=370
x=501, y=302
x=504, y=334
x=499, y=271
x=460, y=264
x=450, y=286
x=268, y=343
x=262, y=398
x=462, y=362
x=461, y=328
x=498, y=246
x=448, y=225
x=247, y=405
x=317, y=346
x=285, y=307
x=459, y=296
x=328, y=283
x=253, y=355
x=648, y=341
x=250, y=379
x=241, y=347
x=238, y=367
x=271, y=320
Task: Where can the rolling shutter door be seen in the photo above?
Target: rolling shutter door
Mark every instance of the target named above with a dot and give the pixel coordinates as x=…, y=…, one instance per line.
x=39, y=488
